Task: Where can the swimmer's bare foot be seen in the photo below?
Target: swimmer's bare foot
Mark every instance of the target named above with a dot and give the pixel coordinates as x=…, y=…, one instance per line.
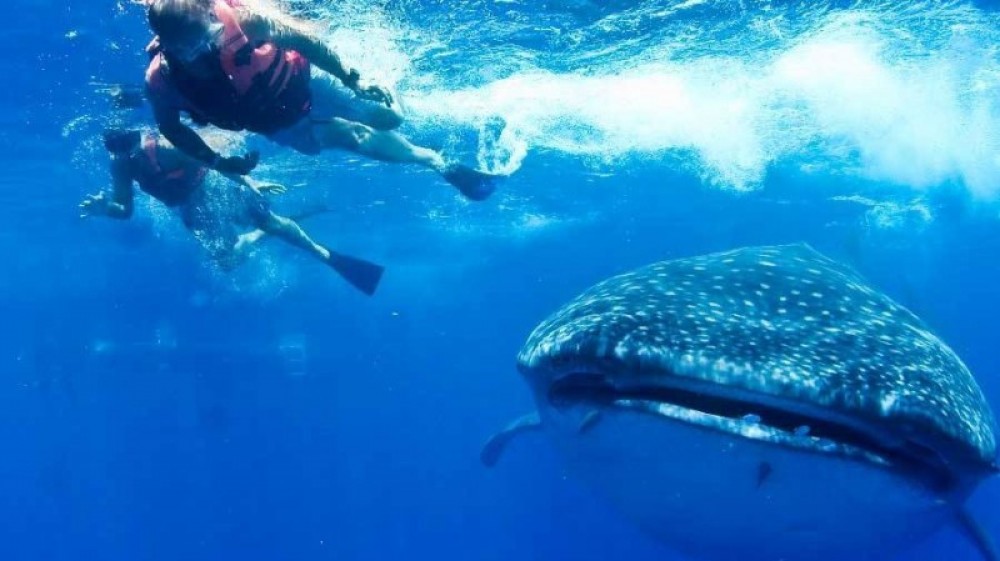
x=245, y=241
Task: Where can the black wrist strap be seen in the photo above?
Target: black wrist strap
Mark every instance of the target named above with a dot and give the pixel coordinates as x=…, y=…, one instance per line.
x=351, y=81
x=209, y=157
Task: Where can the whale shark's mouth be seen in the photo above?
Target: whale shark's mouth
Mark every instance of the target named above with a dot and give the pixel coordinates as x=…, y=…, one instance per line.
x=758, y=417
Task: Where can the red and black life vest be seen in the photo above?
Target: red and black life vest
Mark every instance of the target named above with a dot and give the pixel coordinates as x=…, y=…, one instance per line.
x=171, y=186
x=252, y=85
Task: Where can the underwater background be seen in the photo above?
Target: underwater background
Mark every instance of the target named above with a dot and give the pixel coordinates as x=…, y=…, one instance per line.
x=153, y=407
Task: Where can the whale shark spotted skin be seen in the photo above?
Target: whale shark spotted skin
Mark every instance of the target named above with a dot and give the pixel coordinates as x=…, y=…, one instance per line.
x=769, y=382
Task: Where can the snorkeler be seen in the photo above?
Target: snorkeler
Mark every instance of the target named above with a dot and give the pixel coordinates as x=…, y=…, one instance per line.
x=228, y=66
x=211, y=211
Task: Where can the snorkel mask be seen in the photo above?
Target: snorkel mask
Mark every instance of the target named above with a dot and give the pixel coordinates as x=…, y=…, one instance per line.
x=190, y=50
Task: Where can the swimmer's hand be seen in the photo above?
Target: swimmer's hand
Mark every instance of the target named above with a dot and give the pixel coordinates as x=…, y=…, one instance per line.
x=270, y=188
x=372, y=92
x=94, y=205
x=237, y=165
x=378, y=94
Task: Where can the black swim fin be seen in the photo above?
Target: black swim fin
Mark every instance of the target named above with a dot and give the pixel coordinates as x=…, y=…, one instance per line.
x=474, y=184
x=310, y=212
x=363, y=275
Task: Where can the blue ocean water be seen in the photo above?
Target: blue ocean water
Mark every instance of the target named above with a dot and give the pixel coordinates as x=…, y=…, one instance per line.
x=153, y=407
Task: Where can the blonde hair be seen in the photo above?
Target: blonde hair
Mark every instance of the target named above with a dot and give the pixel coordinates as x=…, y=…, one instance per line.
x=278, y=13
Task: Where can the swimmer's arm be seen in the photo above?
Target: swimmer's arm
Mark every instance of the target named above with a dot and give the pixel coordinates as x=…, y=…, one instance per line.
x=259, y=186
x=122, y=195
x=120, y=204
x=287, y=37
x=182, y=136
x=241, y=180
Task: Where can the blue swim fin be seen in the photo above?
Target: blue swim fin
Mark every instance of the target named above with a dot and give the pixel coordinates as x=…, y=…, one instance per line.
x=475, y=185
x=362, y=274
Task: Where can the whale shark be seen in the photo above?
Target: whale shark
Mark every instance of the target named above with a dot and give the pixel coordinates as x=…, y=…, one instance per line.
x=763, y=403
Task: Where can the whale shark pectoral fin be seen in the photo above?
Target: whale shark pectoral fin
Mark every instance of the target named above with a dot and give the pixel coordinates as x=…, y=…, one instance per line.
x=589, y=421
x=975, y=531
x=497, y=443
x=764, y=471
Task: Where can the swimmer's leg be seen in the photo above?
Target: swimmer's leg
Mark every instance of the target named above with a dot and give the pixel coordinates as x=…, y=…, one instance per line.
x=384, y=145
x=226, y=253
x=289, y=231
x=390, y=146
x=365, y=276
x=246, y=241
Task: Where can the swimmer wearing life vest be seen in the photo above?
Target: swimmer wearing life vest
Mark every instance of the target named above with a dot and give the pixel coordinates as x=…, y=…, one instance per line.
x=212, y=211
x=225, y=65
